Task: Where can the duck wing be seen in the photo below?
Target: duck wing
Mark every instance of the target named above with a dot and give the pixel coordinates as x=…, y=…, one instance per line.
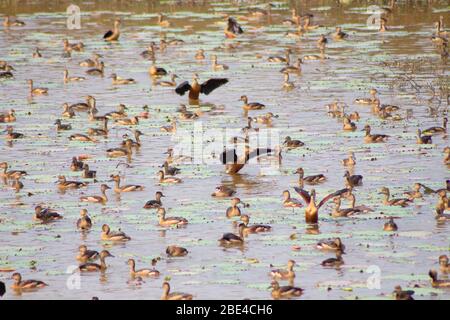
x=108, y=34
x=210, y=85
x=183, y=88
x=228, y=156
x=332, y=195
x=234, y=26
x=231, y=237
x=304, y=194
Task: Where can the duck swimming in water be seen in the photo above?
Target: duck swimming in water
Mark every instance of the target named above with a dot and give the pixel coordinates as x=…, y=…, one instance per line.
x=284, y=274
x=8, y=22
x=113, y=35
x=331, y=245
x=109, y=235
x=7, y=74
x=223, y=192
x=290, y=202
x=127, y=188
x=403, y=202
x=334, y=262
x=292, y=143
x=403, y=294
x=310, y=180
x=99, y=70
x=234, y=210
x=423, y=139
x=36, y=91
x=85, y=255
x=255, y=228
x=95, y=267
x=390, y=225
x=284, y=291
x=163, y=179
x=231, y=239
x=436, y=130
x=97, y=199
x=352, y=180
x=232, y=28
x=175, y=251
x=20, y=284
x=438, y=283
x=155, y=204
x=12, y=174
x=373, y=138
x=45, y=214
x=66, y=184
x=141, y=272
x=84, y=222
x=169, y=221
x=167, y=295
x=350, y=161
x=251, y=105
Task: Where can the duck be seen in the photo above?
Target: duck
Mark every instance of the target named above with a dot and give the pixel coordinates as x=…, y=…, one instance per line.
x=76, y=165
x=232, y=28
x=311, y=180
x=88, y=174
x=169, y=221
x=352, y=180
x=415, y=193
x=265, y=119
x=390, y=225
x=290, y=202
x=195, y=88
x=294, y=20
x=97, y=199
x=7, y=74
x=259, y=12
x=109, y=235
x=8, y=22
x=36, y=91
x=383, y=25
x=81, y=137
x=443, y=202
x=401, y=294
x=62, y=127
x=331, y=245
x=307, y=24
x=170, y=128
x=94, y=267
x=67, y=112
x=287, y=85
x=12, y=174
x=116, y=80
x=291, y=143
x=175, y=251
x=372, y=100
x=216, y=66
x=10, y=116
x=296, y=68
x=85, y=255
x=137, y=143
x=12, y=135
x=20, y=284
x=281, y=59
x=84, y=222
x=121, y=152
x=120, y=113
x=141, y=272
x=444, y=266
x=161, y=21
x=334, y=262
x=155, y=71
x=72, y=46
x=255, y=228
x=322, y=42
x=312, y=209
x=373, y=138
x=231, y=239
x=251, y=105
x=320, y=56
x=65, y=184
x=127, y=121
x=99, y=131
x=285, y=291
x=97, y=71
x=170, y=171
x=338, y=212
x=149, y=54
x=339, y=34
x=436, y=283
x=347, y=124
x=423, y=139
x=163, y=179
x=447, y=156
x=402, y=202
x=155, y=204
x=127, y=188
x=167, y=295
x=171, y=83
x=90, y=63
x=234, y=210
x=223, y=192
x=436, y=130
x=113, y=35
x=350, y=161
x=284, y=274
x=187, y=115
x=200, y=54
x=45, y=214
x=90, y=104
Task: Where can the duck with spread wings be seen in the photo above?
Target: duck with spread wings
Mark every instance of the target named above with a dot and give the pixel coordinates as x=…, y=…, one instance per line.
x=196, y=88
x=233, y=163
x=312, y=210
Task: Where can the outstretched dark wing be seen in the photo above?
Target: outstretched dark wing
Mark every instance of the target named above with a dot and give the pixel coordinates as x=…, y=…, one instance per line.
x=228, y=156
x=108, y=34
x=427, y=189
x=233, y=26
x=258, y=152
x=183, y=88
x=305, y=195
x=210, y=85
x=332, y=195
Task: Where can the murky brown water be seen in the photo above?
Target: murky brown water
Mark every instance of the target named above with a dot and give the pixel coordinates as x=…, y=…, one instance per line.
x=209, y=271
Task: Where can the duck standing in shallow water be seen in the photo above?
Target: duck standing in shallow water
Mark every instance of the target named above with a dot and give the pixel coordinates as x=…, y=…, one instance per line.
x=20, y=284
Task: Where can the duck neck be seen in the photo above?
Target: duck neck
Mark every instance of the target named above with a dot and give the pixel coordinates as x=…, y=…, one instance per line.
x=102, y=263
x=301, y=182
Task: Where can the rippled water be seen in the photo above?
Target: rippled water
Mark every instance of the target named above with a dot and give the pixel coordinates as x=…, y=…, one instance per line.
x=354, y=66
